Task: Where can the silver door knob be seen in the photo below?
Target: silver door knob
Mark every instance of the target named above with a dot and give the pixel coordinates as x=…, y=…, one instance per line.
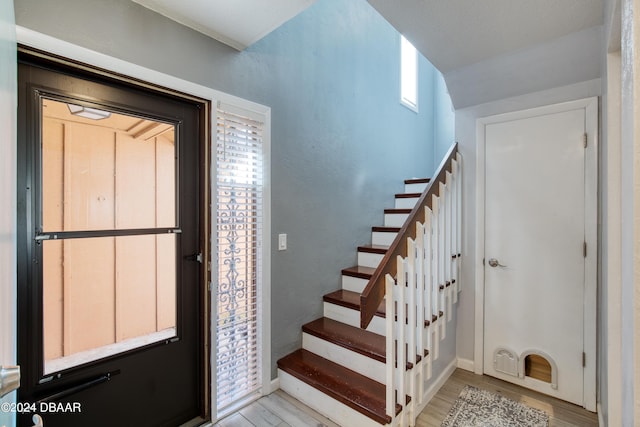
x=9, y=379
x=495, y=263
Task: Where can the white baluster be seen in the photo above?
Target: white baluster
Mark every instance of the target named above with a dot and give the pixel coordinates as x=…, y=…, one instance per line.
x=390, y=350
x=447, y=245
x=435, y=286
x=441, y=261
x=420, y=313
x=454, y=230
x=459, y=202
x=401, y=353
x=428, y=286
x=411, y=326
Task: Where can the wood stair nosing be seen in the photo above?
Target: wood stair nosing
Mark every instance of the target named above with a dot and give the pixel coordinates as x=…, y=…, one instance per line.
x=351, y=300
x=397, y=211
x=346, y=386
x=359, y=271
x=373, y=249
x=382, y=229
x=359, y=340
x=408, y=195
x=417, y=181
x=355, y=339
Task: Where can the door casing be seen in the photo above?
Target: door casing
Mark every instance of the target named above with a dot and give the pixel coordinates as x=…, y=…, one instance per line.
x=591, y=226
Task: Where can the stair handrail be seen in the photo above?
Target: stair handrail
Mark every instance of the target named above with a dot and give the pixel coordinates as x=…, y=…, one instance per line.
x=374, y=292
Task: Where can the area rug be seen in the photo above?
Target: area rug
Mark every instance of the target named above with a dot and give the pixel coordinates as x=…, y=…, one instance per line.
x=481, y=408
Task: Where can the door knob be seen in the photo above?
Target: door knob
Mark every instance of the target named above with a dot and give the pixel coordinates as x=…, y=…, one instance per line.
x=494, y=263
x=9, y=379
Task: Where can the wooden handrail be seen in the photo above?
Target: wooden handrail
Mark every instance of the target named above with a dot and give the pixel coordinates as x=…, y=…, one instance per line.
x=373, y=293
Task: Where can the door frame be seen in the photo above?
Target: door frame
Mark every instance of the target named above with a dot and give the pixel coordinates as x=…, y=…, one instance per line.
x=158, y=80
x=590, y=105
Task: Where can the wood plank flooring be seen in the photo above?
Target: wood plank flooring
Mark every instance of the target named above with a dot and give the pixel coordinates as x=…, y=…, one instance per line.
x=561, y=414
x=281, y=410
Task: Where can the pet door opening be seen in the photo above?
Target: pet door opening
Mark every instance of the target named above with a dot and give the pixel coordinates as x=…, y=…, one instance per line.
x=536, y=366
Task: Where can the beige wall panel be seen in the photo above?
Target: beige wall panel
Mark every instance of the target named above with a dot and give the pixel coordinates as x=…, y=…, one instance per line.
x=52, y=199
x=89, y=303
x=166, y=267
x=89, y=273
x=136, y=256
x=52, y=174
x=135, y=286
x=166, y=245
x=135, y=183
x=53, y=298
x=165, y=182
x=88, y=181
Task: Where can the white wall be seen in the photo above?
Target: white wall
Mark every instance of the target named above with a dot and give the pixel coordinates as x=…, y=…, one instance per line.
x=466, y=137
x=630, y=210
x=609, y=295
x=8, y=104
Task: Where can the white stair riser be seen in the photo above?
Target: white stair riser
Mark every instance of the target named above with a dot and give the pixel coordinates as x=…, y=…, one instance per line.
x=352, y=317
x=357, y=362
x=382, y=238
x=366, y=259
x=406, y=203
x=331, y=408
x=353, y=284
x=395, y=220
x=415, y=188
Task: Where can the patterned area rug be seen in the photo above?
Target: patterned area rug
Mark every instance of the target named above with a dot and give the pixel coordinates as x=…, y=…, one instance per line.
x=480, y=408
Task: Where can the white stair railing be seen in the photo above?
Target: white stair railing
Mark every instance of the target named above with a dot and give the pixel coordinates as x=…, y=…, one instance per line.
x=419, y=300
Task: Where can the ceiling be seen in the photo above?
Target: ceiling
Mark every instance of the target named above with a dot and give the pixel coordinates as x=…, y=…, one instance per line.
x=486, y=50
x=237, y=23
x=457, y=33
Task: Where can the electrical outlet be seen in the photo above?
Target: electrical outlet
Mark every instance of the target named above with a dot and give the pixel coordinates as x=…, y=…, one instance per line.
x=282, y=242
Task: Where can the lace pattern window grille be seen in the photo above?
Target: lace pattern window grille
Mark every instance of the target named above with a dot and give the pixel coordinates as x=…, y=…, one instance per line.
x=239, y=213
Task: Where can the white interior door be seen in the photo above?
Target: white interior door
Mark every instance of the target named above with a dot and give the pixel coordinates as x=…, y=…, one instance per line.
x=534, y=280
x=8, y=102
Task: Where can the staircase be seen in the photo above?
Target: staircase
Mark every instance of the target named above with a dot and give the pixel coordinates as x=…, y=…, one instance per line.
x=341, y=370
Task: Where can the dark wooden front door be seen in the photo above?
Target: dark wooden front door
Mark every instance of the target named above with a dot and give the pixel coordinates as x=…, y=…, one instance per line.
x=110, y=295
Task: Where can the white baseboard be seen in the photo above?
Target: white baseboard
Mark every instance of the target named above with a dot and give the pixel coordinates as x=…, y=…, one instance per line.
x=466, y=364
x=275, y=384
x=438, y=383
x=601, y=421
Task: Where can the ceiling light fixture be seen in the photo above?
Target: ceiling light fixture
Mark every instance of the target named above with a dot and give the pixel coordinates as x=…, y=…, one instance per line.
x=87, y=112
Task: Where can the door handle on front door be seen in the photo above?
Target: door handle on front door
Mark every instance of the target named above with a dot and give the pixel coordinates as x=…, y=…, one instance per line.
x=9, y=379
x=494, y=263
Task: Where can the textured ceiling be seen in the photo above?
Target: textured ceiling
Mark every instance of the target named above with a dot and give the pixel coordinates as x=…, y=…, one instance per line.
x=457, y=33
x=237, y=23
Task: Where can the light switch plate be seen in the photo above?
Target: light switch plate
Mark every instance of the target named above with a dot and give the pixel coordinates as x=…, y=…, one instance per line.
x=282, y=242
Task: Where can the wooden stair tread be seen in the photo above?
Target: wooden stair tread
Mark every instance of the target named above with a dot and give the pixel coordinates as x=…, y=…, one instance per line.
x=359, y=271
x=397, y=211
x=373, y=249
x=359, y=340
x=417, y=181
x=348, y=387
x=350, y=300
x=356, y=339
x=408, y=195
x=386, y=229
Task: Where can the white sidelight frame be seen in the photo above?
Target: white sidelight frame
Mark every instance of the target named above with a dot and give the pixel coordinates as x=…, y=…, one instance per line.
x=590, y=105
x=420, y=298
x=65, y=49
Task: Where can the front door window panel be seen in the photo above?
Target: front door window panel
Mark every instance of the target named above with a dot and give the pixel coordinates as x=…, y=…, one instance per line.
x=109, y=233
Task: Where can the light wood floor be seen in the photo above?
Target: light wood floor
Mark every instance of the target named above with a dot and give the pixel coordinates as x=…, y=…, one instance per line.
x=281, y=410
x=561, y=413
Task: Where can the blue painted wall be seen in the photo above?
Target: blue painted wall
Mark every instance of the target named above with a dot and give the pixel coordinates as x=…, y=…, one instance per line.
x=341, y=141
